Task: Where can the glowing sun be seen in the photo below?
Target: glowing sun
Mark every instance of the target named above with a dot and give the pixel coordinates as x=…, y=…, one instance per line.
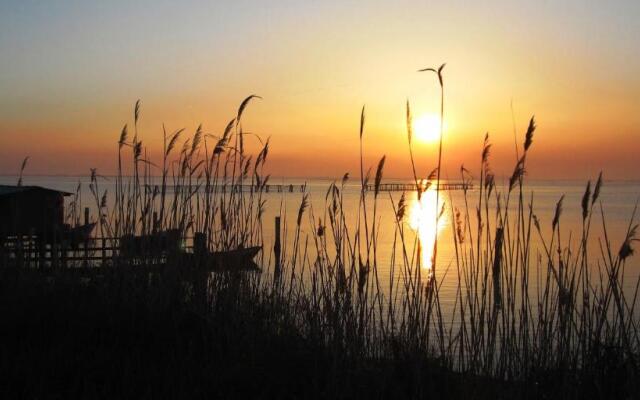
x=427, y=128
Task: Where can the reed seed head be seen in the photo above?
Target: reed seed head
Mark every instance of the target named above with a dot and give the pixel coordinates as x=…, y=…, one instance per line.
x=136, y=111
x=558, y=213
x=402, y=208
x=123, y=136
x=596, y=191
x=379, y=172
x=303, y=207
x=585, y=201
x=243, y=105
x=528, y=140
x=626, y=250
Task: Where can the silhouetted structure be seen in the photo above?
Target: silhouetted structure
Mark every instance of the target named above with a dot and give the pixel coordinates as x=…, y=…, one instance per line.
x=31, y=210
x=408, y=187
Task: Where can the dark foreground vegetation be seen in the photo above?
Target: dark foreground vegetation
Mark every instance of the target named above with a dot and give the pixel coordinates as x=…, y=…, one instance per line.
x=117, y=340
x=548, y=321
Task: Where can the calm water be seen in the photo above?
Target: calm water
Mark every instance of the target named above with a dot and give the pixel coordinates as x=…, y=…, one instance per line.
x=618, y=199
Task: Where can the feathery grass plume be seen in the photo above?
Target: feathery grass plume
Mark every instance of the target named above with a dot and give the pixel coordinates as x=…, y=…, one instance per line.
x=137, y=150
x=429, y=181
x=345, y=178
x=265, y=152
x=626, y=250
x=518, y=172
x=536, y=222
x=379, y=175
x=22, y=167
x=247, y=164
x=362, y=119
x=596, y=191
x=486, y=148
x=220, y=146
x=123, y=136
x=409, y=123
x=172, y=141
x=227, y=129
x=433, y=174
x=243, y=105
x=465, y=174
x=438, y=72
x=303, y=207
x=585, y=201
x=258, y=161
x=197, y=138
x=222, y=143
x=402, y=207
x=528, y=139
x=185, y=148
x=329, y=190
x=556, y=216
x=262, y=156
x=136, y=112
x=335, y=194
x=365, y=182
x=489, y=182
x=459, y=226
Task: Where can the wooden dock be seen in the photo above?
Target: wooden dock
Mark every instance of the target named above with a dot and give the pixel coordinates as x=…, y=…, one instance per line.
x=408, y=187
x=153, y=251
x=246, y=188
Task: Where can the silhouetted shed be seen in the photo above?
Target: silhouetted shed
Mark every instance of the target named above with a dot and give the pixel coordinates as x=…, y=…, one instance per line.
x=31, y=209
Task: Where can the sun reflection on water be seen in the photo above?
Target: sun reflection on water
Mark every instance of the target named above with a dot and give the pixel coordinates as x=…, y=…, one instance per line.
x=422, y=219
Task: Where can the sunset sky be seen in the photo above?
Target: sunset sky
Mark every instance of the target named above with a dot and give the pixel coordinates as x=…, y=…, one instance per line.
x=71, y=71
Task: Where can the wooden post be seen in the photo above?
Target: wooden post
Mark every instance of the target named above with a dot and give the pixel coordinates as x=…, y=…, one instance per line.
x=200, y=274
x=104, y=252
x=86, y=239
x=276, y=251
x=199, y=244
x=54, y=250
x=155, y=222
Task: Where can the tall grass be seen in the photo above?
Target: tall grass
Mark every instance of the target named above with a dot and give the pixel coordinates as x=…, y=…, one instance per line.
x=549, y=317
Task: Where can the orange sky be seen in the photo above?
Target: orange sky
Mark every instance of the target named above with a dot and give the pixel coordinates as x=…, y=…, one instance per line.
x=74, y=72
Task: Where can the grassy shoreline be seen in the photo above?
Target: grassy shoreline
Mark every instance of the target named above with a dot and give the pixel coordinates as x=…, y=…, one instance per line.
x=320, y=323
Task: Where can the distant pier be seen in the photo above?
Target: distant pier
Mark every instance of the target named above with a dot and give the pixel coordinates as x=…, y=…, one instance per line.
x=407, y=187
x=237, y=188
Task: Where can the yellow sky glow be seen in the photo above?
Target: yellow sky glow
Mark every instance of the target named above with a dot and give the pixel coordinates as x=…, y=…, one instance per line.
x=64, y=99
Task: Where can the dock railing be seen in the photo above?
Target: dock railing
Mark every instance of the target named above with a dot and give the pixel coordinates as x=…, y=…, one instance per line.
x=408, y=187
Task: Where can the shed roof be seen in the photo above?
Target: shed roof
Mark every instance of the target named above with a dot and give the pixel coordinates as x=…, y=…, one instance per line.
x=8, y=190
